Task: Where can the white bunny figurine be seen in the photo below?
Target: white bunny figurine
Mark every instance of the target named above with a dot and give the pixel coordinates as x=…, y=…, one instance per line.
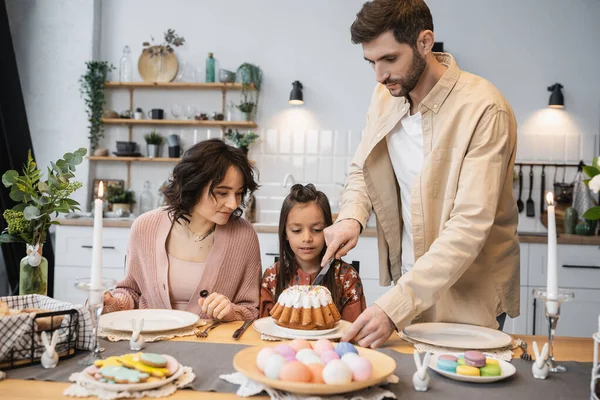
x=137, y=341
x=421, y=377
x=50, y=356
x=540, y=366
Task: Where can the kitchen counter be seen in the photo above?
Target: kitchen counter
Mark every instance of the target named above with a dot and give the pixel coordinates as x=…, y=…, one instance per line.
x=369, y=232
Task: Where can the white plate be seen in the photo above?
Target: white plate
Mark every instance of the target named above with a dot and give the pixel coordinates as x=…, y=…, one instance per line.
x=154, y=320
x=458, y=336
x=267, y=326
x=131, y=387
x=506, y=368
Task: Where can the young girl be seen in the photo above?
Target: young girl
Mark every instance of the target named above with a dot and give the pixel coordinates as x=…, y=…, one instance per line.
x=304, y=214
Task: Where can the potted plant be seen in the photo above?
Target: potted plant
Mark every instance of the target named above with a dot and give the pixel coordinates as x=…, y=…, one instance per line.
x=153, y=142
x=29, y=220
x=91, y=87
x=241, y=140
x=120, y=199
x=250, y=76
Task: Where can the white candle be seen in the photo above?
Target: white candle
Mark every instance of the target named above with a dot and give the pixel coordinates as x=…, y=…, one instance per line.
x=552, y=280
x=96, y=294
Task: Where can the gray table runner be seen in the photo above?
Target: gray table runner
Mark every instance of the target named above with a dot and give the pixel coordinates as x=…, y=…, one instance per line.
x=209, y=360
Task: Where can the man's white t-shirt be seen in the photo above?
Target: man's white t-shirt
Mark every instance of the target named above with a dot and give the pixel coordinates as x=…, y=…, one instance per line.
x=405, y=146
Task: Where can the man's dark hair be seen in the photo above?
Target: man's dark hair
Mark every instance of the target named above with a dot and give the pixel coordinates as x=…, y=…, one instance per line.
x=406, y=18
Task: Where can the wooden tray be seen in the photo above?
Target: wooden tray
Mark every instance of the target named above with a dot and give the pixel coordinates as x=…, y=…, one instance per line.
x=383, y=366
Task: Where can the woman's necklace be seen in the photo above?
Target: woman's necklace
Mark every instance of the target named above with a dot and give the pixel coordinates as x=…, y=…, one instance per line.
x=199, y=238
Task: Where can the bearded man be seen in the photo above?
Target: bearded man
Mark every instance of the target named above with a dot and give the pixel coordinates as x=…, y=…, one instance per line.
x=435, y=165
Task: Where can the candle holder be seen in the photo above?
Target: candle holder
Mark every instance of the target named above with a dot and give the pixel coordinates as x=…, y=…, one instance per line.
x=95, y=308
x=554, y=306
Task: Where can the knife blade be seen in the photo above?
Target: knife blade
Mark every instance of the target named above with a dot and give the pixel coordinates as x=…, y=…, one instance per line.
x=321, y=275
x=238, y=332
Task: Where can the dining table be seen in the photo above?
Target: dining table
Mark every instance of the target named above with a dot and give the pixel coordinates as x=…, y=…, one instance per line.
x=565, y=349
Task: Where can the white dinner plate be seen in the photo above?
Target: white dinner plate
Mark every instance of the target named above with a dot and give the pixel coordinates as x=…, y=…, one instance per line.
x=154, y=320
x=506, y=368
x=131, y=387
x=267, y=326
x=458, y=336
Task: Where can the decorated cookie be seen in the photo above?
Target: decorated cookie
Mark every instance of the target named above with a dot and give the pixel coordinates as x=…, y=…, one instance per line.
x=153, y=360
x=133, y=361
x=467, y=370
x=123, y=375
x=490, y=370
x=112, y=361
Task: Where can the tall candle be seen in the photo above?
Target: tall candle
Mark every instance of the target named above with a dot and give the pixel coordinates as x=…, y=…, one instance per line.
x=96, y=294
x=552, y=280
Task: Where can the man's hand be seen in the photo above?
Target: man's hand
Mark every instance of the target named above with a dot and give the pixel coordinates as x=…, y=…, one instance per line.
x=372, y=328
x=340, y=237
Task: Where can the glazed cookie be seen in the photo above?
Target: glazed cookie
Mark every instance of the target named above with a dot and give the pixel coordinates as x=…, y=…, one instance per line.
x=153, y=360
x=133, y=361
x=112, y=361
x=123, y=375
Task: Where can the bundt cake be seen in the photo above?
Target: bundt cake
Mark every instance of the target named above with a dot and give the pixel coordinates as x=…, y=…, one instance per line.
x=305, y=307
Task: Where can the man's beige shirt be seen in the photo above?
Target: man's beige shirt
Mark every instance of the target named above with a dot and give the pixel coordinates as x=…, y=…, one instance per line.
x=462, y=205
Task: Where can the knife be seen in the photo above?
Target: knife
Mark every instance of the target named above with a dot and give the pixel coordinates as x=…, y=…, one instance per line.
x=321, y=275
x=238, y=332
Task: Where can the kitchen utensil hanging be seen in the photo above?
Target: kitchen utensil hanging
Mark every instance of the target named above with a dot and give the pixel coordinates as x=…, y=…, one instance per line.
x=530, y=204
x=520, y=204
x=543, y=190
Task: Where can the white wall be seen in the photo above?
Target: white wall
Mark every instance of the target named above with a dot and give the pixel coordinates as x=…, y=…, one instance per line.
x=521, y=47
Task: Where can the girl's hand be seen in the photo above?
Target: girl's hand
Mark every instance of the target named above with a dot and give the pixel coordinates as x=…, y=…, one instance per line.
x=216, y=305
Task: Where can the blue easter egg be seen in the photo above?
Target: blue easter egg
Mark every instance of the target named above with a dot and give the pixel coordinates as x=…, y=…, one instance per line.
x=344, y=347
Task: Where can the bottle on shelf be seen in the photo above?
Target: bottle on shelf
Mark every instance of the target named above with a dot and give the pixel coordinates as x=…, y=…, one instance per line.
x=210, y=68
x=125, y=74
x=146, y=200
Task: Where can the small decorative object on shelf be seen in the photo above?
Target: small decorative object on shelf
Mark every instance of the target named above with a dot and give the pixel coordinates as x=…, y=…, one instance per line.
x=125, y=72
x=158, y=63
x=29, y=221
x=241, y=140
x=146, y=200
x=92, y=90
x=153, y=142
x=250, y=76
x=120, y=199
x=137, y=341
x=210, y=68
x=570, y=220
x=421, y=377
x=540, y=367
x=138, y=113
x=552, y=310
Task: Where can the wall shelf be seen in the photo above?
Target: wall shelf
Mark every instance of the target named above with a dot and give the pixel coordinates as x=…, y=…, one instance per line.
x=179, y=122
x=175, y=85
x=133, y=159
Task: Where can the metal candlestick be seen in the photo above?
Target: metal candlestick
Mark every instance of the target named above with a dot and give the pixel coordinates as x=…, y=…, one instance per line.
x=563, y=296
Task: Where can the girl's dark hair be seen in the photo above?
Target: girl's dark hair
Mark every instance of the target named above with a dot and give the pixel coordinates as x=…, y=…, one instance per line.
x=406, y=18
x=300, y=194
x=205, y=163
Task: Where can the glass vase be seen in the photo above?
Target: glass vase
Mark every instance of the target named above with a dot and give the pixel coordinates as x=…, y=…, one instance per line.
x=33, y=280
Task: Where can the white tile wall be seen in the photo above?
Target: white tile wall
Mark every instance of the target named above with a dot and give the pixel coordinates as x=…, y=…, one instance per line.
x=320, y=157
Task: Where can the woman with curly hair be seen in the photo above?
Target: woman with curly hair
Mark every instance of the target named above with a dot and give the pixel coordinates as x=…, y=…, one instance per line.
x=186, y=255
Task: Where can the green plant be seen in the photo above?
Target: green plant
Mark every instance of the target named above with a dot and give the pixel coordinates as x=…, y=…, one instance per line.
x=28, y=221
x=593, y=172
x=250, y=76
x=171, y=39
x=241, y=140
x=91, y=87
x=153, y=138
x=116, y=194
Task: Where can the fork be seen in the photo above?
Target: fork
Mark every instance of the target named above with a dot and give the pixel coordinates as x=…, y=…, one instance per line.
x=525, y=356
x=204, y=333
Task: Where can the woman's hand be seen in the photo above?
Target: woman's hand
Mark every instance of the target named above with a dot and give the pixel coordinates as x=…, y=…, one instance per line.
x=216, y=306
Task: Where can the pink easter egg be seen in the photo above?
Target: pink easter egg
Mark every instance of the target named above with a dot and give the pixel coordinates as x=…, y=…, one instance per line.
x=329, y=355
x=362, y=369
x=262, y=356
x=322, y=345
x=285, y=350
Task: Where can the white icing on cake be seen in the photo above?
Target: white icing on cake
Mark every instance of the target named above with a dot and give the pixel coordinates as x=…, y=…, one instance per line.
x=305, y=296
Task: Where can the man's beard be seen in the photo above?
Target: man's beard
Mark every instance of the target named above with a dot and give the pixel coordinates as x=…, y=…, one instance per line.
x=408, y=83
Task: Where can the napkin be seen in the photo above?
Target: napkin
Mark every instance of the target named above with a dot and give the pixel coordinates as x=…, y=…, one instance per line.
x=249, y=388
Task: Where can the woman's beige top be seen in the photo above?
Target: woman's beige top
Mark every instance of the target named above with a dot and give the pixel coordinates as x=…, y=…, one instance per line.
x=184, y=277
